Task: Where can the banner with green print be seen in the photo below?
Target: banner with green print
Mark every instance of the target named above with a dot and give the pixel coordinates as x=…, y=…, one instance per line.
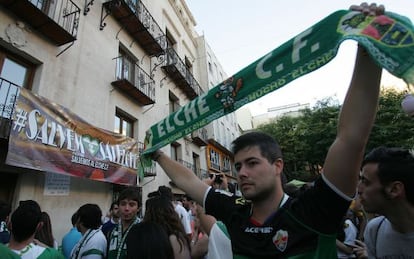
x=388, y=38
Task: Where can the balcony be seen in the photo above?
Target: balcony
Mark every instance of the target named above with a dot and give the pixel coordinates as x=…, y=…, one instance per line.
x=56, y=19
x=8, y=95
x=201, y=173
x=134, y=81
x=200, y=137
x=138, y=22
x=180, y=74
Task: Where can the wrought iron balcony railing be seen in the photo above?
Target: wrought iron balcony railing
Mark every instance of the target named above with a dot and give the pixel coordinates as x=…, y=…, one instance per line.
x=201, y=173
x=138, y=22
x=58, y=20
x=180, y=74
x=134, y=81
x=200, y=137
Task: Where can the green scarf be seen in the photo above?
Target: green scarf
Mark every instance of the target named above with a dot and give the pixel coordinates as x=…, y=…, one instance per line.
x=388, y=39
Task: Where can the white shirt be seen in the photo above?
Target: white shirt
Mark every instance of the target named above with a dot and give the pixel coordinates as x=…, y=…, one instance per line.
x=219, y=244
x=184, y=217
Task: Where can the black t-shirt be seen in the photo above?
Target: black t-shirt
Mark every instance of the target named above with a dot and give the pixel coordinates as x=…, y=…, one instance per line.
x=303, y=227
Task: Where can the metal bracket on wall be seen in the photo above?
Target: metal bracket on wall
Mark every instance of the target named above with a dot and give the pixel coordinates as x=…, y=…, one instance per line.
x=142, y=59
x=107, y=10
x=164, y=78
x=154, y=66
x=117, y=34
x=87, y=9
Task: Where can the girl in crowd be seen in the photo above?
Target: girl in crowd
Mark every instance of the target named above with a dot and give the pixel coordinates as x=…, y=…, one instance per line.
x=44, y=236
x=148, y=240
x=160, y=210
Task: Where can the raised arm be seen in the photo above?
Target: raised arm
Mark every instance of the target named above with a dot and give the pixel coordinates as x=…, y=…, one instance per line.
x=355, y=120
x=183, y=177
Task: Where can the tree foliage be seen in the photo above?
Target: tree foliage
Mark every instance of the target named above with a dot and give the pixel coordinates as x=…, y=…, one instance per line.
x=392, y=128
x=305, y=139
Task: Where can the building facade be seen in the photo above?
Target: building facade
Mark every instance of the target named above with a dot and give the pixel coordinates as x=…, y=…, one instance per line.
x=274, y=113
x=119, y=65
x=223, y=131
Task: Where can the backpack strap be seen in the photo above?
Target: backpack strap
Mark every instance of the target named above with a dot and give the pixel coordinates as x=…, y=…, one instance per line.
x=376, y=233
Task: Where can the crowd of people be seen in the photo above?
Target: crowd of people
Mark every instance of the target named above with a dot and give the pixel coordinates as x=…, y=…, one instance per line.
x=360, y=207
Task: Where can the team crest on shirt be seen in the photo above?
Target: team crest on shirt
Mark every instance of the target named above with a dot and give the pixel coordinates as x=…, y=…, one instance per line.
x=280, y=239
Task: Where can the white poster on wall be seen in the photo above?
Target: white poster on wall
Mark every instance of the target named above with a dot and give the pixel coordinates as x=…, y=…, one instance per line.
x=56, y=184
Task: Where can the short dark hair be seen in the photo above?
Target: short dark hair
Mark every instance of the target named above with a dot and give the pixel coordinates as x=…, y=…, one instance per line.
x=394, y=164
x=74, y=218
x=25, y=220
x=187, y=197
x=113, y=205
x=268, y=146
x=5, y=210
x=90, y=216
x=130, y=193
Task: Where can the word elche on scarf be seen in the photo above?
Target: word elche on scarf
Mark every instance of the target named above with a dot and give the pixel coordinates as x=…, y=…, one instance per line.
x=193, y=110
x=184, y=115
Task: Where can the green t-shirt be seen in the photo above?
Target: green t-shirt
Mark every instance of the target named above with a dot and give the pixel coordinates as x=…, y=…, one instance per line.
x=35, y=251
x=51, y=253
x=6, y=253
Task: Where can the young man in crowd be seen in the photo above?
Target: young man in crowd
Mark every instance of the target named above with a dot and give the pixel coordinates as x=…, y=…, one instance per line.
x=386, y=188
x=129, y=204
x=266, y=223
x=25, y=221
x=93, y=243
x=113, y=219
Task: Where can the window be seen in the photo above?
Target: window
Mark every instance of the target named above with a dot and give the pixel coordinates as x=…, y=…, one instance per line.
x=173, y=103
x=46, y=6
x=124, y=124
x=188, y=63
x=214, y=157
x=16, y=70
x=196, y=163
x=226, y=164
x=171, y=42
x=175, y=151
x=125, y=66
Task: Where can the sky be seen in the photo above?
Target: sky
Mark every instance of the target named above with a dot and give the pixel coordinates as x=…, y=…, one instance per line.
x=241, y=31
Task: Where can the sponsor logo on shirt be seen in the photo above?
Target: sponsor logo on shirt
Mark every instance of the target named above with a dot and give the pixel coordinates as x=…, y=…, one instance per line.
x=263, y=230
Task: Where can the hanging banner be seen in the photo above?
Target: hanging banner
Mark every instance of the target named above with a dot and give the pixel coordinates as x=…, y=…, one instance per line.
x=48, y=137
x=388, y=39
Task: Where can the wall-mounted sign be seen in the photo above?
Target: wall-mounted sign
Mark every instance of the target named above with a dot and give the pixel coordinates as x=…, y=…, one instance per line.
x=56, y=184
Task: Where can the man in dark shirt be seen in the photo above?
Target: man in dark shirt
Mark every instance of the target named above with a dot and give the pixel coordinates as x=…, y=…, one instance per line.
x=265, y=222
